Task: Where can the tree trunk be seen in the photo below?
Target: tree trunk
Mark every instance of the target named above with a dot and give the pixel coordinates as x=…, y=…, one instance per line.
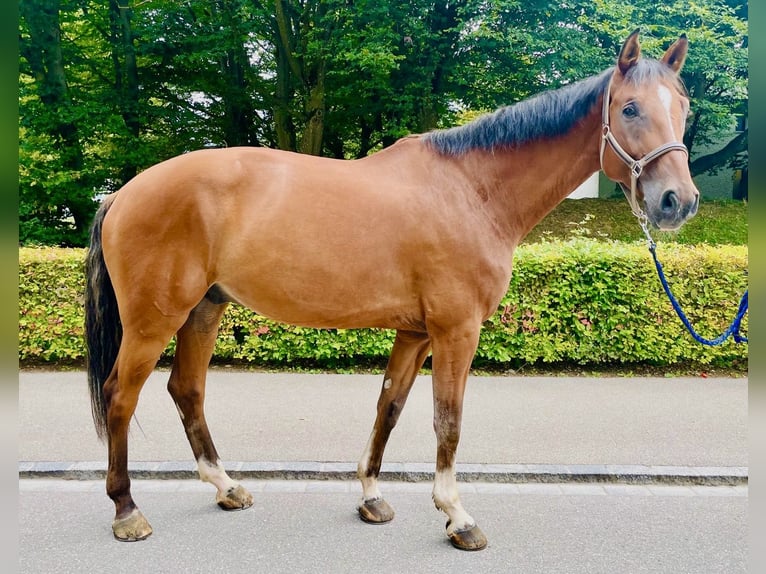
x=300, y=83
x=696, y=87
x=125, y=80
x=283, y=95
x=238, y=121
x=311, y=141
x=720, y=157
x=288, y=70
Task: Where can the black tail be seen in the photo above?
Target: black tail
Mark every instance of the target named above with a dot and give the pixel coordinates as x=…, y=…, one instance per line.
x=103, y=329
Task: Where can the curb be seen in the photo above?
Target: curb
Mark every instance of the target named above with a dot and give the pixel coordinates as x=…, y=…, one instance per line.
x=407, y=472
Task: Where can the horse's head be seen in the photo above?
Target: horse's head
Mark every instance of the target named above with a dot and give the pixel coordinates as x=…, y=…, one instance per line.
x=644, y=116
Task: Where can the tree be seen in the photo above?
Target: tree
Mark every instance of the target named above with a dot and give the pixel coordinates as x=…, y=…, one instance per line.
x=107, y=89
x=203, y=69
x=302, y=32
x=53, y=114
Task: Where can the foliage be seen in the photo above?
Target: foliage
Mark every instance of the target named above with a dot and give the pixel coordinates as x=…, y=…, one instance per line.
x=51, y=299
x=107, y=89
x=579, y=301
x=716, y=223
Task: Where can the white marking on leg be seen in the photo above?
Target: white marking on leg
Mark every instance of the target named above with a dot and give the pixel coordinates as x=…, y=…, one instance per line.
x=370, y=489
x=387, y=384
x=216, y=475
x=447, y=499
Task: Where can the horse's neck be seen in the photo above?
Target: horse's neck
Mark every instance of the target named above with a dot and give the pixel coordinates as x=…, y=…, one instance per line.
x=530, y=181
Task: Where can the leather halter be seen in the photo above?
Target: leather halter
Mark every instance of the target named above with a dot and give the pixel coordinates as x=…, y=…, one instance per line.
x=636, y=165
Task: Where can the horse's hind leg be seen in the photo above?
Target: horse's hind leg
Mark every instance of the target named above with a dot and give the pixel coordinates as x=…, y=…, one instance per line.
x=194, y=347
x=407, y=356
x=137, y=356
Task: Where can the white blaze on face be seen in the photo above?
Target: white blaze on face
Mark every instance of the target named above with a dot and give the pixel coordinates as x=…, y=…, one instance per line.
x=666, y=98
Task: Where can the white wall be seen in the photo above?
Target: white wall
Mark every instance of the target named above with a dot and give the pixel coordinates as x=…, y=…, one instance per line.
x=588, y=189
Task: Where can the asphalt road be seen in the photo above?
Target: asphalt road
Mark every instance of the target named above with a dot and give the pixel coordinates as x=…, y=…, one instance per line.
x=301, y=417
x=297, y=526
x=291, y=421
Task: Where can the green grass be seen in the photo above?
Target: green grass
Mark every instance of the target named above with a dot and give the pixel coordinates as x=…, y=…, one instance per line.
x=716, y=223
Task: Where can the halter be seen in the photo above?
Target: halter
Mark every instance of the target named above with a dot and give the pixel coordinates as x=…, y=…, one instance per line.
x=636, y=169
x=636, y=165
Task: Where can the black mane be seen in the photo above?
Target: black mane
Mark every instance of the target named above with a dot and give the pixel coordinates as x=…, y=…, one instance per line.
x=546, y=115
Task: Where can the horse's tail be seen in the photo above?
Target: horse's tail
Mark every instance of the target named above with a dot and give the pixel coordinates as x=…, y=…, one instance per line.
x=103, y=329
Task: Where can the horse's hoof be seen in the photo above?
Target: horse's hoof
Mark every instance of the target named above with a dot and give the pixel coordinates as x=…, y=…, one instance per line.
x=471, y=538
x=236, y=498
x=132, y=527
x=376, y=511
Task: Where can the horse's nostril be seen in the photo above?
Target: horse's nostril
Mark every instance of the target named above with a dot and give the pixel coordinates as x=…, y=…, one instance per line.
x=669, y=203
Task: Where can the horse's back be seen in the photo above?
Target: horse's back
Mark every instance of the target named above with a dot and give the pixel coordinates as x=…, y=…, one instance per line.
x=302, y=239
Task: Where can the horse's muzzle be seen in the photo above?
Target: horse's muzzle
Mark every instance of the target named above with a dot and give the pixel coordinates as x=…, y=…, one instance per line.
x=672, y=212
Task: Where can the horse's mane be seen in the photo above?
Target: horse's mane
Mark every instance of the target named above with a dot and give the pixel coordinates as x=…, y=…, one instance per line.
x=546, y=115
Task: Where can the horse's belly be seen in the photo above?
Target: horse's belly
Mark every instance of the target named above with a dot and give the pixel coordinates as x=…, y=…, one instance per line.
x=326, y=304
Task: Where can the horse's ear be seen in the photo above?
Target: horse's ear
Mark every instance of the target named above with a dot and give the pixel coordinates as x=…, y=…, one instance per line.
x=630, y=52
x=675, y=56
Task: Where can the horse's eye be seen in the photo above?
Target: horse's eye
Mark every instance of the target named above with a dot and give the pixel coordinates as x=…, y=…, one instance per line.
x=630, y=110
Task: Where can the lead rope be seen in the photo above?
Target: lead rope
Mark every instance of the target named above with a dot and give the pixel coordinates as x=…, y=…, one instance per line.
x=731, y=331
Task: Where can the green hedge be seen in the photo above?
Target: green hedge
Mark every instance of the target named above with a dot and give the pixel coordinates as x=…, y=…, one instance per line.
x=578, y=301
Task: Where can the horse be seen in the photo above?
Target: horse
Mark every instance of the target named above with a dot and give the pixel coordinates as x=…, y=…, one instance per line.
x=418, y=238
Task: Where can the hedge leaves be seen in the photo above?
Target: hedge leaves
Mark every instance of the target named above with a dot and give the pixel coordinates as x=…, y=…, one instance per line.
x=579, y=301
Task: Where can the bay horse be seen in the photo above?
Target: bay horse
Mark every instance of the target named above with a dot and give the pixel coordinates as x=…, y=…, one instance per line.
x=418, y=237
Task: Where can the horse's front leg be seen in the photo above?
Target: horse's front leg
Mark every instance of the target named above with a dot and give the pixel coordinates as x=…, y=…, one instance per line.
x=407, y=356
x=453, y=351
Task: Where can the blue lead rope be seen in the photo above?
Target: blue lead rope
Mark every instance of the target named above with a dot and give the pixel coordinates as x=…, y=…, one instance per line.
x=731, y=331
